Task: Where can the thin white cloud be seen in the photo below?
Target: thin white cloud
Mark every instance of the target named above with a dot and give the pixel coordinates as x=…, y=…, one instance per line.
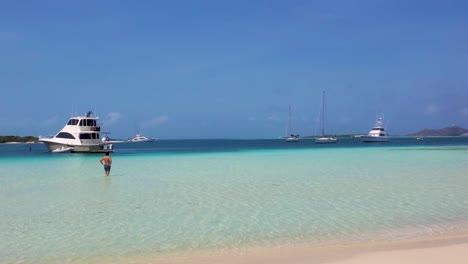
x=157, y=121
x=112, y=118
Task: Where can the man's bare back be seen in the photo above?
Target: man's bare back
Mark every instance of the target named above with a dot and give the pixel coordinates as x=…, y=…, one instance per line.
x=107, y=162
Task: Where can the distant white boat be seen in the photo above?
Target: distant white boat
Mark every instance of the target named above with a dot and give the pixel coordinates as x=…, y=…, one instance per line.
x=110, y=140
x=324, y=139
x=107, y=139
x=292, y=137
x=141, y=138
x=377, y=133
x=321, y=140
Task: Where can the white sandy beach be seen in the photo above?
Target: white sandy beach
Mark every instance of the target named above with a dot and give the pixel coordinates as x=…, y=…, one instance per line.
x=452, y=254
x=453, y=250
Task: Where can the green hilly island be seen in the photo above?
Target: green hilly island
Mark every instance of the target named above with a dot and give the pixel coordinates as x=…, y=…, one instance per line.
x=8, y=139
x=451, y=131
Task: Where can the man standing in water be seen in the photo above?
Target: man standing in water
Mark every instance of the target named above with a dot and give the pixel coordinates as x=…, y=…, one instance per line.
x=107, y=162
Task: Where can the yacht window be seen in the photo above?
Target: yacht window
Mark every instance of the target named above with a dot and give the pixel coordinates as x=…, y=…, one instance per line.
x=65, y=135
x=85, y=136
x=72, y=122
x=81, y=122
x=90, y=122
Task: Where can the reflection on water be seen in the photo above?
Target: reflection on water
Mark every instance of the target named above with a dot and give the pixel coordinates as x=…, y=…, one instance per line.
x=107, y=181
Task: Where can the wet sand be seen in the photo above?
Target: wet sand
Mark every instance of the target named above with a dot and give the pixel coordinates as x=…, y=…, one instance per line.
x=433, y=250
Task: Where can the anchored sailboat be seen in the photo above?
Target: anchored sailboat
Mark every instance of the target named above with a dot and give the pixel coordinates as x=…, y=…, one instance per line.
x=323, y=138
x=290, y=137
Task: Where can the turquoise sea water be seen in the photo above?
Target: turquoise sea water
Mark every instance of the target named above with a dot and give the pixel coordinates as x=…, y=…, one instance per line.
x=177, y=197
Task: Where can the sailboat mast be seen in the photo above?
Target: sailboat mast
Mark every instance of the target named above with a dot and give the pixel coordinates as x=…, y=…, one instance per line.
x=289, y=122
x=323, y=113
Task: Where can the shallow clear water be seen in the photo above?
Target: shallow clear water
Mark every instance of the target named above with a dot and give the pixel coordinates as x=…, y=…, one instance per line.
x=186, y=196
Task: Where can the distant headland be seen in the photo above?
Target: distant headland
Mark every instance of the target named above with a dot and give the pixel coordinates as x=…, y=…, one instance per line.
x=18, y=139
x=451, y=131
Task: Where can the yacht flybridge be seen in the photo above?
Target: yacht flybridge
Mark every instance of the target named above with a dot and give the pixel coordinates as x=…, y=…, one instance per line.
x=80, y=134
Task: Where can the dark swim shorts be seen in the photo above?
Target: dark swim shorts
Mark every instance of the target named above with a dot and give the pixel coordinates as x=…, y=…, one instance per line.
x=107, y=167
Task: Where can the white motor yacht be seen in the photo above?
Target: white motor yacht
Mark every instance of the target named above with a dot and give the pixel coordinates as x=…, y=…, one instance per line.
x=80, y=134
x=377, y=133
x=141, y=138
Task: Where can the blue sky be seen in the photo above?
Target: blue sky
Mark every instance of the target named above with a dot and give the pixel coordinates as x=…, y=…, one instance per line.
x=231, y=69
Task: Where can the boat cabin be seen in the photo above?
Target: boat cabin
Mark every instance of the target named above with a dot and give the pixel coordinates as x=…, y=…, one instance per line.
x=90, y=123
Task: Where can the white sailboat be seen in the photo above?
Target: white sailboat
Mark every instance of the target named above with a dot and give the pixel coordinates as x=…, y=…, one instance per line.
x=290, y=137
x=324, y=139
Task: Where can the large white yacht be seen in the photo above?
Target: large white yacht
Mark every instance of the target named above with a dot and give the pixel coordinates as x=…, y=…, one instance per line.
x=80, y=134
x=377, y=133
x=141, y=138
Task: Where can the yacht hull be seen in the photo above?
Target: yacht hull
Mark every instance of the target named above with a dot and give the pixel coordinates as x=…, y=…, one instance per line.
x=370, y=139
x=98, y=148
x=141, y=140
